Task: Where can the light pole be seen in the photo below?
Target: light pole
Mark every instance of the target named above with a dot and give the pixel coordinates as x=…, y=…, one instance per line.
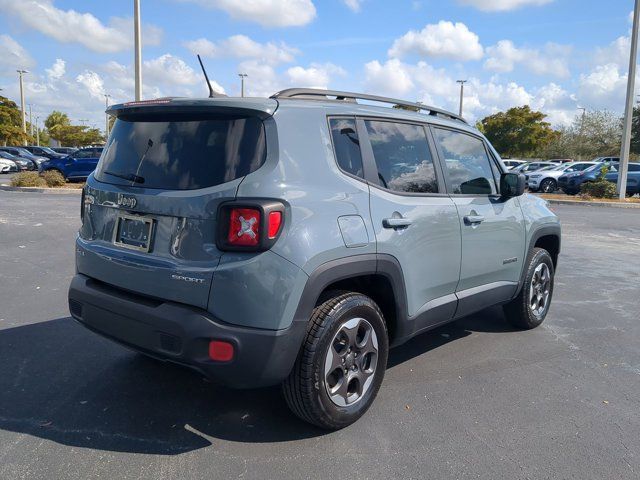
x=628, y=111
x=461, y=82
x=242, y=77
x=137, y=33
x=37, y=131
x=106, y=115
x=24, y=121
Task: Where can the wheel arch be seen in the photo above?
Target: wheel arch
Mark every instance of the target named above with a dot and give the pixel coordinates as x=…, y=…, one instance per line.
x=378, y=276
x=548, y=237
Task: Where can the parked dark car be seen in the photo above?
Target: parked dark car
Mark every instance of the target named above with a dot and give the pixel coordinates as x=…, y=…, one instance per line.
x=29, y=161
x=77, y=166
x=633, y=178
x=44, y=152
x=570, y=183
x=64, y=150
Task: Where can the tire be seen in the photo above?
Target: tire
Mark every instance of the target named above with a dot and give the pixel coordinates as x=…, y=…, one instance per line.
x=341, y=335
x=529, y=309
x=548, y=185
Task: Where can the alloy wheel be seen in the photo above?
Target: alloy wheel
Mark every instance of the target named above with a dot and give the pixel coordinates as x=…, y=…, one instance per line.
x=540, y=290
x=351, y=360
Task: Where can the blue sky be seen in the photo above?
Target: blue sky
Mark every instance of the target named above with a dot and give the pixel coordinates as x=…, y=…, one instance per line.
x=555, y=55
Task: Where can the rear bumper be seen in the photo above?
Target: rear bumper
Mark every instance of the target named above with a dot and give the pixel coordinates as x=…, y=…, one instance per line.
x=181, y=334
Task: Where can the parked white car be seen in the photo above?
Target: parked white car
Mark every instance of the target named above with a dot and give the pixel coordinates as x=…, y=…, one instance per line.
x=546, y=179
x=511, y=164
x=7, y=165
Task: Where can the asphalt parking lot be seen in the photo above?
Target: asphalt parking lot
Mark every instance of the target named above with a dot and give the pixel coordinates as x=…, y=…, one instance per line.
x=474, y=399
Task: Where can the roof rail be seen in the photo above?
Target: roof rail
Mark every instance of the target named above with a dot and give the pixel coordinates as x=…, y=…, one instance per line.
x=318, y=94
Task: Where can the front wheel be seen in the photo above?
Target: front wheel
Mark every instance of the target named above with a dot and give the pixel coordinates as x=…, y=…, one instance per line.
x=341, y=364
x=548, y=185
x=529, y=309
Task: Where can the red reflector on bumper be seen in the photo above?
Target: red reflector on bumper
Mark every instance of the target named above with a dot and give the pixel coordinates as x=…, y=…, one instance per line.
x=221, y=351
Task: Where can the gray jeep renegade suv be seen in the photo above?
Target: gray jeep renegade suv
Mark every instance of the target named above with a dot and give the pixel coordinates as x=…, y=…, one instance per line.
x=295, y=239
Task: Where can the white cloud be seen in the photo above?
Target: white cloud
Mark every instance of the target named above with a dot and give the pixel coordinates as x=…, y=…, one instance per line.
x=444, y=39
x=553, y=60
x=390, y=78
x=616, y=52
x=603, y=88
x=13, y=56
x=241, y=46
x=269, y=13
x=57, y=70
x=69, y=26
x=92, y=82
x=353, y=5
x=503, y=5
x=170, y=71
x=315, y=76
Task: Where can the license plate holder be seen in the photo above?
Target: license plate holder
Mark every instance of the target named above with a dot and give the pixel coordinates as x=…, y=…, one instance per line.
x=133, y=232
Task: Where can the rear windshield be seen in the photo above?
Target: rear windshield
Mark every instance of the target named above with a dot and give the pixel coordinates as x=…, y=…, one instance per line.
x=181, y=153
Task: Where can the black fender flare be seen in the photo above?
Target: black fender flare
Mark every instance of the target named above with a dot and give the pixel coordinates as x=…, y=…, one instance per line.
x=552, y=229
x=351, y=267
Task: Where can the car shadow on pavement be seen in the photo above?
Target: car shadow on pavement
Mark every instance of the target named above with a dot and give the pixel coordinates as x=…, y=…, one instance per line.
x=62, y=383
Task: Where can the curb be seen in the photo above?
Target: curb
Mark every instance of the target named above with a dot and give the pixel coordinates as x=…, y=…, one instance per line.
x=592, y=204
x=57, y=191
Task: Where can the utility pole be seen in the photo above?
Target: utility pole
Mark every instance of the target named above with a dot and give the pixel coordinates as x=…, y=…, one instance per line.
x=242, y=77
x=106, y=115
x=628, y=111
x=461, y=82
x=24, y=121
x=30, y=121
x=37, y=130
x=137, y=33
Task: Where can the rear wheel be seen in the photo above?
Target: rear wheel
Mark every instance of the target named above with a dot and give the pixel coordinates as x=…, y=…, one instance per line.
x=341, y=364
x=548, y=185
x=529, y=309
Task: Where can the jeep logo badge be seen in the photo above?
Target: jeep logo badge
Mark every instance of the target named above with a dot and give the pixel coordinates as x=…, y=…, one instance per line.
x=129, y=202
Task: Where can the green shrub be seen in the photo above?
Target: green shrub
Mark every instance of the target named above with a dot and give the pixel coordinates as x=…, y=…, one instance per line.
x=53, y=178
x=599, y=189
x=28, y=179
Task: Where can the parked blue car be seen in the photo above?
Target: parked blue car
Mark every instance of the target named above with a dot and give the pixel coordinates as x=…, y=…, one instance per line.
x=570, y=183
x=77, y=166
x=633, y=178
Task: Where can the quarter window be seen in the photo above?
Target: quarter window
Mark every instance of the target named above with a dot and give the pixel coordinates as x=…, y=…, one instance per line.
x=403, y=158
x=467, y=163
x=346, y=145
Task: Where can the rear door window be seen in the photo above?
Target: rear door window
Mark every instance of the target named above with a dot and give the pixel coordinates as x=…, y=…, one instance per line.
x=403, y=157
x=181, y=152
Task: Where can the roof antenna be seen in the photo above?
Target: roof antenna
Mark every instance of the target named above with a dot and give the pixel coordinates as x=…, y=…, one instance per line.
x=212, y=93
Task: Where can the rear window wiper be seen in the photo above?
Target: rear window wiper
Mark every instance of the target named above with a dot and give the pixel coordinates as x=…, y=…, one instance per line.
x=132, y=177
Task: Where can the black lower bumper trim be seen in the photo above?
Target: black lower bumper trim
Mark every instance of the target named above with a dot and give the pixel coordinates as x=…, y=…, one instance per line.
x=181, y=334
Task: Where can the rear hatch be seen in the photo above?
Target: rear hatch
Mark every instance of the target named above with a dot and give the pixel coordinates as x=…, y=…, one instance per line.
x=149, y=210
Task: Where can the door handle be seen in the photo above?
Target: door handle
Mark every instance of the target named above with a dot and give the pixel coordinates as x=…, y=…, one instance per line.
x=396, y=222
x=473, y=219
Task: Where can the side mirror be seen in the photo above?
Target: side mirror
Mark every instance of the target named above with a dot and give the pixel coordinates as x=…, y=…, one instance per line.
x=512, y=185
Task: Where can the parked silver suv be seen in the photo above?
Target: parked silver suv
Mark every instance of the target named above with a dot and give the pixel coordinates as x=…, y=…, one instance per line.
x=296, y=239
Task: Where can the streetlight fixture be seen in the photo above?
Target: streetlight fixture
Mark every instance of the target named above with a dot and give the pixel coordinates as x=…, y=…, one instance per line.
x=242, y=77
x=106, y=115
x=137, y=34
x=24, y=120
x=628, y=111
x=461, y=82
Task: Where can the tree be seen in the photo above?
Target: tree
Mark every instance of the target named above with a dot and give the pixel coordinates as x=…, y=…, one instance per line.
x=594, y=134
x=518, y=132
x=10, y=123
x=635, y=131
x=60, y=128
